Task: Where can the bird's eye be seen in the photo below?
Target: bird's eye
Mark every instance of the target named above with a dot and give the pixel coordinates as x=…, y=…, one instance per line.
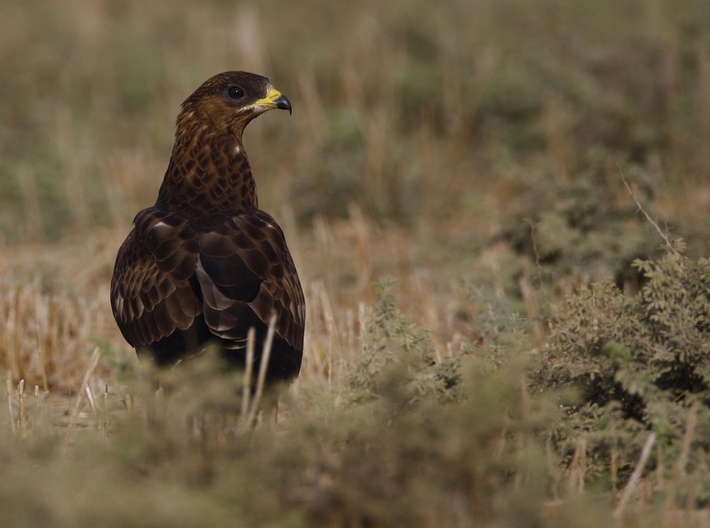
x=235, y=92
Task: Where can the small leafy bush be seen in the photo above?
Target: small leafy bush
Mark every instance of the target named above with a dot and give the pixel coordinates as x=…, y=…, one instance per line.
x=639, y=363
x=581, y=226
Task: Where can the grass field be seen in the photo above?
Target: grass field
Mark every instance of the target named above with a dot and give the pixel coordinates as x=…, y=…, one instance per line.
x=499, y=212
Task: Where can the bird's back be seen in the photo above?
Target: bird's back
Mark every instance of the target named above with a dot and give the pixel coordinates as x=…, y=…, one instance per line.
x=176, y=288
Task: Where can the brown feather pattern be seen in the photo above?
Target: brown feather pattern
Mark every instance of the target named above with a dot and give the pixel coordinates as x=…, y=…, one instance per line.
x=204, y=264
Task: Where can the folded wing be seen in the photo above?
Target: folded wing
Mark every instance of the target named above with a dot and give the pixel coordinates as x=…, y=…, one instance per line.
x=245, y=272
x=170, y=280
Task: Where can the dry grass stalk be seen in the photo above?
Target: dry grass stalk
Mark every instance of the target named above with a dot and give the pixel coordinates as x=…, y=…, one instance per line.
x=614, y=478
x=31, y=204
x=552, y=470
x=23, y=411
x=265, y=354
x=578, y=468
x=48, y=348
x=334, y=344
x=687, y=438
x=92, y=403
x=362, y=243
x=427, y=299
x=325, y=242
x=10, y=338
x=664, y=235
x=635, y=476
x=8, y=384
x=246, y=390
x=80, y=396
x=679, y=470
x=321, y=335
x=107, y=415
x=499, y=449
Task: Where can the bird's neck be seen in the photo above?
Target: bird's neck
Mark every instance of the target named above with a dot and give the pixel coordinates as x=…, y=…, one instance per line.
x=208, y=175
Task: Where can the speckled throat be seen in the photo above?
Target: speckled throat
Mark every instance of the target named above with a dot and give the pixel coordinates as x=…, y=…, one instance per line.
x=209, y=173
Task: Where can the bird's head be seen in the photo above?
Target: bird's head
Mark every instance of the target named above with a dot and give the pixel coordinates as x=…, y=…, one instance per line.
x=229, y=101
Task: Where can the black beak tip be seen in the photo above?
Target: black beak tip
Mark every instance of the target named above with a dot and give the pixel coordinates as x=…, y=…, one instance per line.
x=283, y=103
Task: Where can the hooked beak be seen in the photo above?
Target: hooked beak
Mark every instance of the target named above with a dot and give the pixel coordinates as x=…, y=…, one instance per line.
x=274, y=99
x=283, y=103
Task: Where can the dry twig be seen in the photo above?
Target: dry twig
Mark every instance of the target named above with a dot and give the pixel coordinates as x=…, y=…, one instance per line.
x=635, y=476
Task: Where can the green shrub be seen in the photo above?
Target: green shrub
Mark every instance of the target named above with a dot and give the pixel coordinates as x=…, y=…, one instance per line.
x=639, y=363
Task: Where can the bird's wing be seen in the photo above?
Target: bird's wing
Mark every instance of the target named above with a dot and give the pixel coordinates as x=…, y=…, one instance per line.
x=151, y=290
x=246, y=275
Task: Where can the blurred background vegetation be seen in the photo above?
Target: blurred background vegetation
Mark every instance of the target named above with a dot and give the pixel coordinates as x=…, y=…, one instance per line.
x=488, y=155
x=416, y=111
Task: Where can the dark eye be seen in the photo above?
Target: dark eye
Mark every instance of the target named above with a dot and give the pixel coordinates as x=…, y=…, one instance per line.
x=235, y=92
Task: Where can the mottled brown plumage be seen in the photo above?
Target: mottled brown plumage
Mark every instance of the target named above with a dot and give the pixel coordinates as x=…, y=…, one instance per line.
x=204, y=264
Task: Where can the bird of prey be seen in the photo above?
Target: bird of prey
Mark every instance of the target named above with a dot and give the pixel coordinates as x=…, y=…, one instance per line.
x=205, y=264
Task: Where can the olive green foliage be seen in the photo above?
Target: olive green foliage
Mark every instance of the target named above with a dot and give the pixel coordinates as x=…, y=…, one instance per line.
x=455, y=439
x=393, y=347
x=639, y=362
x=577, y=226
x=416, y=443
x=392, y=99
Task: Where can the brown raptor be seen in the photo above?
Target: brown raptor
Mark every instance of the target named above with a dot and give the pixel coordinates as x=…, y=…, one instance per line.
x=205, y=264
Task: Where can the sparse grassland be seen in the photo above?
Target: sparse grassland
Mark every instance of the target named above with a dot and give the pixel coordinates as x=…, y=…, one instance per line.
x=531, y=336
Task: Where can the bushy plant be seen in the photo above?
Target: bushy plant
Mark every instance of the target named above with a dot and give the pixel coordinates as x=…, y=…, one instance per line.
x=639, y=362
x=410, y=441
x=583, y=226
x=428, y=442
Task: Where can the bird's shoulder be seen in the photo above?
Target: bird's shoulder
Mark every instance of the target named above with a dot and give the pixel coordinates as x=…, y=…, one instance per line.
x=151, y=289
x=241, y=253
x=174, y=242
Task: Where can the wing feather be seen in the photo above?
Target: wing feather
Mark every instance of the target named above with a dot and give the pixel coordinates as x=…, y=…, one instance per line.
x=151, y=295
x=245, y=266
x=235, y=274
